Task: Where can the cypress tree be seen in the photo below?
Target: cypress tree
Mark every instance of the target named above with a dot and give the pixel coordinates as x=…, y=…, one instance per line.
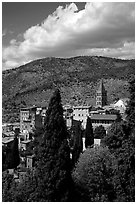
x=89, y=137
x=53, y=157
x=13, y=158
x=77, y=140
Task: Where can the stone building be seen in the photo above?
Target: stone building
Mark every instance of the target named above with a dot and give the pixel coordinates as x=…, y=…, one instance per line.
x=81, y=113
x=27, y=119
x=31, y=118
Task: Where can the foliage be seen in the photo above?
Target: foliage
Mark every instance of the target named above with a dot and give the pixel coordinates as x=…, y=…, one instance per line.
x=121, y=141
x=89, y=137
x=131, y=105
x=117, y=133
x=12, y=158
x=8, y=185
x=12, y=155
x=18, y=191
x=94, y=172
x=76, y=140
x=53, y=157
x=99, y=132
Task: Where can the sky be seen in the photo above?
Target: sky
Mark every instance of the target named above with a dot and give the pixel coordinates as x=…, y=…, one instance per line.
x=33, y=30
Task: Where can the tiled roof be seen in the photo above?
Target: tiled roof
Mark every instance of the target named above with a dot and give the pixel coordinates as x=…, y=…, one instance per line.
x=26, y=141
x=103, y=117
x=6, y=140
x=81, y=107
x=28, y=108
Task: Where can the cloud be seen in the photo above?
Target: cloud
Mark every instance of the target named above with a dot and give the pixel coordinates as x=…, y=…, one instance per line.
x=100, y=28
x=4, y=32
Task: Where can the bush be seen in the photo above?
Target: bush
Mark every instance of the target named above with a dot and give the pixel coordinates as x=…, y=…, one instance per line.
x=94, y=172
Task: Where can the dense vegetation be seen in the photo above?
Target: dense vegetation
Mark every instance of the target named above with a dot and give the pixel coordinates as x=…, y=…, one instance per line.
x=10, y=156
x=89, y=137
x=99, y=132
x=108, y=173
x=105, y=173
x=101, y=174
x=51, y=178
x=94, y=173
x=76, y=77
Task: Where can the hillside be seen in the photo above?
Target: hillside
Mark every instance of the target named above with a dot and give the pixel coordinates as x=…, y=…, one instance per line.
x=77, y=78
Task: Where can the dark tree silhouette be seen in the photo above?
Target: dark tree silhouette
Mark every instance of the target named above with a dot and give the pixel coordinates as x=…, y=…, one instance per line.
x=89, y=137
x=12, y=156
x=99, y=132
x=76, y=137
x=53, y=157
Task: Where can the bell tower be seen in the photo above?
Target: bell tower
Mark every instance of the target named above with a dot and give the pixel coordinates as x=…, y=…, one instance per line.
x=101, y=95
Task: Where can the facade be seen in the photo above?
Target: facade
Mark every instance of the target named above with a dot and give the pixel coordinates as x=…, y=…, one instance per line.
x=101, y=95
x=121, y=105
x=27, y=119
x=7, y=127
x=81, y=113
x=24, y=144
x=102, y=119
x=31, y=118
x=30, y=161
x=7, y=141
x=68, y=115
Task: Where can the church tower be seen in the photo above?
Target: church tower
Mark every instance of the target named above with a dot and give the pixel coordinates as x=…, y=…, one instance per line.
x=101, y=95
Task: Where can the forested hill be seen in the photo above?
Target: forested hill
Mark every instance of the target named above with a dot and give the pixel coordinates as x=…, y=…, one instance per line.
x=77, y=78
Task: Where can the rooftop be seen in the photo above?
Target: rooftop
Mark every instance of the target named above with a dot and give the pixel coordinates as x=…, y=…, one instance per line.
x=9, y=134
x=103, y=117
x=82, y=107
x=7, y=140
x=28, y=108
x=26, y=141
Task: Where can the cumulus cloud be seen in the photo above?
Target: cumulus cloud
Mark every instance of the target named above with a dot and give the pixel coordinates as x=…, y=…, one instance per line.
x=99, y=29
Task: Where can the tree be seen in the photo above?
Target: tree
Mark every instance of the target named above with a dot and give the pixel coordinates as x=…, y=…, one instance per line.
x=12, y=156
x=131, y=105
x=53, y=157
x=121, y=141
x=94, y=172
x=99, y=132
x=117, y=133
x=89, y=137
x=76, y=140
x=126, y=153
x=7, y=184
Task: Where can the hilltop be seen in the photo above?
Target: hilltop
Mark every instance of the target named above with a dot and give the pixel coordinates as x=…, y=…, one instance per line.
x=77, y=78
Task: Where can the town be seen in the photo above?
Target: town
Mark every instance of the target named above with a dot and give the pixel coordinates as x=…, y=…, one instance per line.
x=33, y=118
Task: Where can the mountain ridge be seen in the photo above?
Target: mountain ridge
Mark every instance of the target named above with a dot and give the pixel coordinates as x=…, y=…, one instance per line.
x=76, y=77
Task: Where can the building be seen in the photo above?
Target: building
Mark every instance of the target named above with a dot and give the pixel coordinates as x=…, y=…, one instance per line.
x=27, y=119
x=101, y=95
x=7, y=127
x=30, y=161
x=81, y=113
x=24, y=144
x=121, y=105
x=7, y=141
x=102, y=119
x=67, y=111
x=31, y=118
